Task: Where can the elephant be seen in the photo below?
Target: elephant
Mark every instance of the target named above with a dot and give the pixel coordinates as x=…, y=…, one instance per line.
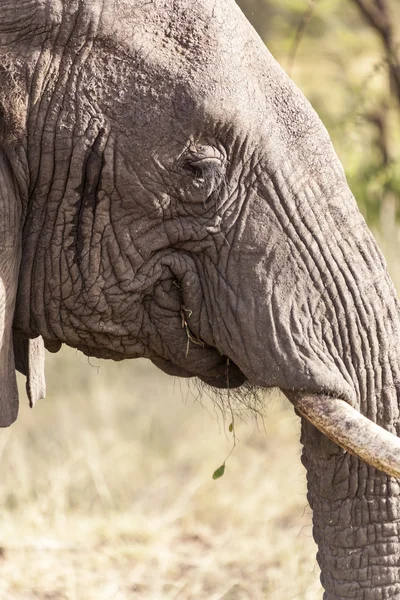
x=167, y=192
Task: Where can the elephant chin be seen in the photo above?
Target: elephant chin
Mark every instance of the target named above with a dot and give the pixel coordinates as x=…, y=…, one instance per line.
x=52, y=346
x=231, y=379
x=236, y=379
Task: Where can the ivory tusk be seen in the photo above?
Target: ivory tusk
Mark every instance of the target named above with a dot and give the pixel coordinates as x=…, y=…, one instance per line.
x=350, y=430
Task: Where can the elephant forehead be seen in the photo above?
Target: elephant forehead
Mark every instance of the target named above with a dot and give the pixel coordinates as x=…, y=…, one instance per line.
x=175, y=32
x=185, y=27
x=179, y=58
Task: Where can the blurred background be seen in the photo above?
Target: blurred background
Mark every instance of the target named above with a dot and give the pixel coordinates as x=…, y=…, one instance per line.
x=106, y=487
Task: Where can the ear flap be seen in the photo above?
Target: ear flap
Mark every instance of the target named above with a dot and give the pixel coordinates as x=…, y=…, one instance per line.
x=29, y=360
x=10, y=253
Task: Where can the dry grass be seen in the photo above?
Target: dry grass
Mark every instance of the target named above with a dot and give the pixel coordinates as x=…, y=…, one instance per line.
x=107, y=494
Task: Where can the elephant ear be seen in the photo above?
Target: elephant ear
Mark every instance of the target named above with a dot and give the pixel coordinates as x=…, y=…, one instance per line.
x=25, y=355
x=10, y=256
x=29, y=360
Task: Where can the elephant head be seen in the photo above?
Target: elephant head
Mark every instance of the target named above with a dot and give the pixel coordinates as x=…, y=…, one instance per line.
x=167, y=192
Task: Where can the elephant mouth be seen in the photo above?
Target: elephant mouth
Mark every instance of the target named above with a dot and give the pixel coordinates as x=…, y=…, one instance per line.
x=227, y=375
x=216, y=371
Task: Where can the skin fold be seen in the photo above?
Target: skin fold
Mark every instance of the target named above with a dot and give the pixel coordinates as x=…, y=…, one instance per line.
x=169, y=193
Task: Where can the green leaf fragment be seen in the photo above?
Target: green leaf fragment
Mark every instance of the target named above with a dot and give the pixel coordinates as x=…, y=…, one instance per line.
x=219, y=472
x=231, y=427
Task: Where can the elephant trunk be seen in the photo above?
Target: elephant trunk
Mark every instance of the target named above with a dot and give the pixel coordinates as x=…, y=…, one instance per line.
x=328, y=327
x=356, y=506
x=356, y=511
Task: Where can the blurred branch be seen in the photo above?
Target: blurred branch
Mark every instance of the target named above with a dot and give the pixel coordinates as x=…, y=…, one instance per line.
x=377, y=14
x=379, y=120
x=302, y=26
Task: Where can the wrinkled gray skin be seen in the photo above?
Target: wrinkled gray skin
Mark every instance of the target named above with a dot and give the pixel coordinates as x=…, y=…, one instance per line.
x=157, y=166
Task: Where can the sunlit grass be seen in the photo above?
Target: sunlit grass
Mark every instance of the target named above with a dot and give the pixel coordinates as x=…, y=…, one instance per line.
x=107, y=492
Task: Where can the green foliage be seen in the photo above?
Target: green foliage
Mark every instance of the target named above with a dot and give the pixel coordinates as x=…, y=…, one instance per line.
x=219, y=472
x=339, y=61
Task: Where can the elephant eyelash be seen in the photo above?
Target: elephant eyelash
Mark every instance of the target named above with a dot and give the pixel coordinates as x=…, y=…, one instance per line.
x=194, y=170
x=200, y=167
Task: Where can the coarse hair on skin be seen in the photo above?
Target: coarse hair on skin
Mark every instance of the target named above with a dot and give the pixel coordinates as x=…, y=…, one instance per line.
x=245, y=402
x=13, y=101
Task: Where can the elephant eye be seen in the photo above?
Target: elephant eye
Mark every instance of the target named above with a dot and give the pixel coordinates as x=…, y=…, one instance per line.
x=206, y=165
x=200, y=166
